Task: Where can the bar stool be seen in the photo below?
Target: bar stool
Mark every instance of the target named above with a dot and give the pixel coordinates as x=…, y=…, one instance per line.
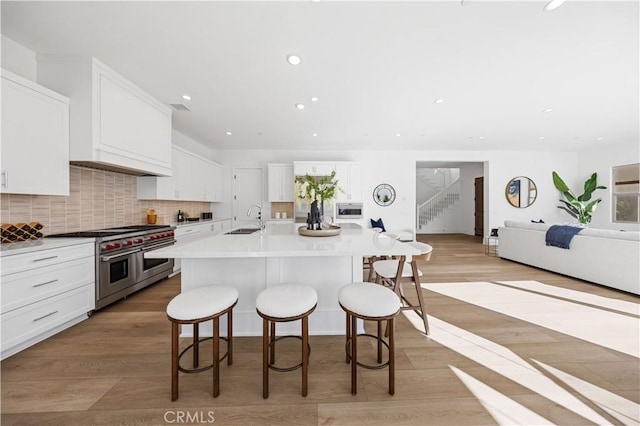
x=369, y=302
x=195, y=307
x=284, y=303
x=389, y=273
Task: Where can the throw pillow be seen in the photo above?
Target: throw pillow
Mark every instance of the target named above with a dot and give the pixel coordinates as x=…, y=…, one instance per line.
x=378, y=224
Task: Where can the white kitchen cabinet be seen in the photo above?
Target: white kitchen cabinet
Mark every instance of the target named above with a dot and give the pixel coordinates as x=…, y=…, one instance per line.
x=44, y=292
x=313, y=168
x=280, y=182
x=114, y=123
x=189, y=232
x=214, y=184
x=349, y=177
x=194, y=179
x=35, y=138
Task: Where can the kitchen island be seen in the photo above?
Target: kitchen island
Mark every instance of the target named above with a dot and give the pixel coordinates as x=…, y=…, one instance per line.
x=279, y=255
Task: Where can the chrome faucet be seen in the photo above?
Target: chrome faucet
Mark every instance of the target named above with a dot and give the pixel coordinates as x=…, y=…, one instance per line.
x=259, y=207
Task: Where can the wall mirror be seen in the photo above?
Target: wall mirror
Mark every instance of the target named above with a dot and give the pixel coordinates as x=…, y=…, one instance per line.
x=384, y=194
x=521, y=192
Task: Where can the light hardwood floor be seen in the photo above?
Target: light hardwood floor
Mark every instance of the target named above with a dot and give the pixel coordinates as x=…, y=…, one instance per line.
x=115, y=367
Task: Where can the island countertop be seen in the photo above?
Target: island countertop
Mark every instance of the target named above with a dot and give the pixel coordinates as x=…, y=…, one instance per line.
x=283, y=240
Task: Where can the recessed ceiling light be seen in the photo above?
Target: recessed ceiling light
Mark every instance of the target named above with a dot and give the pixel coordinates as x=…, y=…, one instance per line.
x=315, y=134
x=553, y=4
x=547, y=110
x=481, y=137
x=439, y=101
x=398, y=134
x=599, y=138
x=541, y=138
x=300, y=106
x=314, y=99
x=228, y=133
x=294, y=59
x=186, y=97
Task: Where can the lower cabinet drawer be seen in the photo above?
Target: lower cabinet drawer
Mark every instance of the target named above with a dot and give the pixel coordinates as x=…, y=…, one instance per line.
x=28, y=287
x=36, y=319
x=42, y=258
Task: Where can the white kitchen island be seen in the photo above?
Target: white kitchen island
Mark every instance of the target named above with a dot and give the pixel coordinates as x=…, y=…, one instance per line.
x=279, y=255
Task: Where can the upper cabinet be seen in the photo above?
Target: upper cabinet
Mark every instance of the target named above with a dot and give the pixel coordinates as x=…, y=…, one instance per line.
x=35, y=138
x=194, y=179
x=280, y=182
x=114, y=123
x=313, y=168
x=349, y=177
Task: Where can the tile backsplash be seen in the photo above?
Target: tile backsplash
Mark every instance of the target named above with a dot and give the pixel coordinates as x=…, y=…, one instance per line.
x=97, y=199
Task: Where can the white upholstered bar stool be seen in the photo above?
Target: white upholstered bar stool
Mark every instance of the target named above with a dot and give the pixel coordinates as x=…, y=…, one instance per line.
x=392, y=274
x=369, y=302
x=194, y=307
x=284, y=303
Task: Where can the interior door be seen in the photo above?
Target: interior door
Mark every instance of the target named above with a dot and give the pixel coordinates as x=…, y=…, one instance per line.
x=247, y=191
x=479, y=206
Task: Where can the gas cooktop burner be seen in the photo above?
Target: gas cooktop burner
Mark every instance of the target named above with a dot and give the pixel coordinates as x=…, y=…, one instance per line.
x=109, y=232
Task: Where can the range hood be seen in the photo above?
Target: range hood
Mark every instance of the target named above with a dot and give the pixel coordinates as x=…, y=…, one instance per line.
x=114, y=125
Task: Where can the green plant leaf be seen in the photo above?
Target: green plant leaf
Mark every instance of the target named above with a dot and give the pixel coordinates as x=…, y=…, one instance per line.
x=569, y=207
x=559, y=183
x=568, y=211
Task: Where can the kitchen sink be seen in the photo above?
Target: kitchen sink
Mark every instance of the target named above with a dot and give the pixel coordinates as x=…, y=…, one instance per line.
x=242, y=231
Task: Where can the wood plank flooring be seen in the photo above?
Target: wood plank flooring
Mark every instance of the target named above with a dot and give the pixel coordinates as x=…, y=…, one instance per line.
x=115, y=367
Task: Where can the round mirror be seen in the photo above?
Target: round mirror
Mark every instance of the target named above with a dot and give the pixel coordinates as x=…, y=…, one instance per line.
x=384, y=194
x=521, y=192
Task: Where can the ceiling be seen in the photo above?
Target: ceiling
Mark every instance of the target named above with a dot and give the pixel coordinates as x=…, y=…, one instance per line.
x=377, y=69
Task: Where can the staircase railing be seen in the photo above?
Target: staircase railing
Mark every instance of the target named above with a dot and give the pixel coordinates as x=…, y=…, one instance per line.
x=436, y=205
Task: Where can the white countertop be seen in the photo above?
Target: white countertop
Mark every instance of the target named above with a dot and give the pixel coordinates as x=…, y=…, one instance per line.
x=10, y=249
x=198, y=222
x=283, y=240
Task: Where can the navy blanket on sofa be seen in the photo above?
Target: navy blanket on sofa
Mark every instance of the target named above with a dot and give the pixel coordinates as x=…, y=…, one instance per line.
x=561, y=235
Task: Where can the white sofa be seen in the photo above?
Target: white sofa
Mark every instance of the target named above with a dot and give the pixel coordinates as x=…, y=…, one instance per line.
x=607, y=257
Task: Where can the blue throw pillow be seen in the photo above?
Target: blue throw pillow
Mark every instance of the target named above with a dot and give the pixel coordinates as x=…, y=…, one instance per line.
x=378, y=224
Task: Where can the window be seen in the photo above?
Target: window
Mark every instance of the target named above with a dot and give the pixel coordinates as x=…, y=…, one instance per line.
x=626, y=193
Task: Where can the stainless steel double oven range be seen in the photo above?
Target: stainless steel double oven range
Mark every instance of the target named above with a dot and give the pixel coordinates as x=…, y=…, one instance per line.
x=121, y=268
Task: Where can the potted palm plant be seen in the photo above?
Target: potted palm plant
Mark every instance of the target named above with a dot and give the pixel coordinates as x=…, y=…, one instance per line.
x=581, y=207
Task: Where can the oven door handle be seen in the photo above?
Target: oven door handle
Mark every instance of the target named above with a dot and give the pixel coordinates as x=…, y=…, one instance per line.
x=126, y=253
x=157, y=246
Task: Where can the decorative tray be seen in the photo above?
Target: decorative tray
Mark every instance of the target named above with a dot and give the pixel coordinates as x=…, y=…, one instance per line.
x=329, y=232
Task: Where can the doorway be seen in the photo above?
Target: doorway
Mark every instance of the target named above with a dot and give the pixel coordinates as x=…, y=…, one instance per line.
x=247, y=191
x=479, y=206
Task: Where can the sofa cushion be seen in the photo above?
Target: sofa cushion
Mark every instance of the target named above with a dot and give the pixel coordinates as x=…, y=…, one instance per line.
x=611, y=233
x=587, y=232
x=527, y=225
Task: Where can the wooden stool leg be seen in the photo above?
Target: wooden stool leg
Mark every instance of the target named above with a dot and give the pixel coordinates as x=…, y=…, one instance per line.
x=354, y=356
x=265, y=358
x=305, y=354
x=196, y=345
x=272, y=339
x=175, y=335
x=348, y=328
x=423, y=310
x=230, y=337
x=216, y=357
x=392, y=358
x=379, y=323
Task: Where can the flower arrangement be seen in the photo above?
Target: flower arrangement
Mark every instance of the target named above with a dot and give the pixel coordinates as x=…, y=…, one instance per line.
x=310, y=189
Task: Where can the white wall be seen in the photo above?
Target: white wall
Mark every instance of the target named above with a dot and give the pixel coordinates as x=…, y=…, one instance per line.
x=18, y=59
x=397, y=168
x=600, y=161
